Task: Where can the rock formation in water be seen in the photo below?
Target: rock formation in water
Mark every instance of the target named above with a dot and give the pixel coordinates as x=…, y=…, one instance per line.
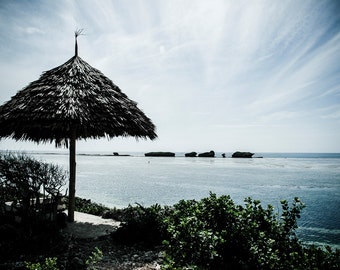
x=191, y=154
x=159, y=154
x=239, y=154
x=207, y=154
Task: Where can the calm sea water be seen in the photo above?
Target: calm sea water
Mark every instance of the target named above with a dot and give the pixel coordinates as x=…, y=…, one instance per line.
x=314, y=178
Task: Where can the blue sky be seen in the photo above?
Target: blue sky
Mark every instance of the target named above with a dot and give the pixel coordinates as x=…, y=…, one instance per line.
x=261, y=76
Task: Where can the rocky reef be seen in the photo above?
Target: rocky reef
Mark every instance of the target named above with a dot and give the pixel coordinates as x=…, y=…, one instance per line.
x=159, y=154
x=207, y=154
x=191, y=154
x=239, y=154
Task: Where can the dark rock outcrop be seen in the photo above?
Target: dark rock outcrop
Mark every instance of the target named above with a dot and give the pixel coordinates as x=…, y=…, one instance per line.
x=159, y=154
x=207, y=154
x=239, y=154
x=191, y=154
x=116, y=154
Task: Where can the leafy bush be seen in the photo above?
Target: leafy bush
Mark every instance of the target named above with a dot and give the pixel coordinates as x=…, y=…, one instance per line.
x=89, y=207
x=29, y=195
x=49, y=264
x=214, y=233
x=94, y=258
x=116, y=213
x=142, y=225
x=29, y=184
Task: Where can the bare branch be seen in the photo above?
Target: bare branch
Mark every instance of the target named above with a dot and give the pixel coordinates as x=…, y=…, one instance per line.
x=79, y=32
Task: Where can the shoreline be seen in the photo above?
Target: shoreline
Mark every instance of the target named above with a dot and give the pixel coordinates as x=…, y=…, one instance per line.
x=218, y=155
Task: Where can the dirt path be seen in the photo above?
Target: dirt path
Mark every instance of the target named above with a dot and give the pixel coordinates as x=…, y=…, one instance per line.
x=90, y=232
x=90, y=226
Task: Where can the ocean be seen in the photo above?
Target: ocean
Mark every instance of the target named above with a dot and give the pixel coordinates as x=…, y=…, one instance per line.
x=117, y=181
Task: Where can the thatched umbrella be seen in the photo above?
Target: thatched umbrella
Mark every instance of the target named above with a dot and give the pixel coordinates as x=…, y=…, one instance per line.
x=70, y=102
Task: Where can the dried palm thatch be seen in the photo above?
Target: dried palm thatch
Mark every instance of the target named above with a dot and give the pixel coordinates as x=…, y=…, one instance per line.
x=72, y=101
x=73, y=96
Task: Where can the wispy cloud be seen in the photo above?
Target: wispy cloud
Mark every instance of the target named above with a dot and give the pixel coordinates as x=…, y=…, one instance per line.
x=198, y=64
x=32, y=30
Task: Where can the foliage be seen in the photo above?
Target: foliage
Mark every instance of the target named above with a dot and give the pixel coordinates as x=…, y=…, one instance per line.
x=142, y=224
x=214, y=233
x=49, y=264
x=93, y=259
x=21, y=174
x=27, y=182
x=29, y=195
x=139, y=224
x=89, y=207
x=116, y=213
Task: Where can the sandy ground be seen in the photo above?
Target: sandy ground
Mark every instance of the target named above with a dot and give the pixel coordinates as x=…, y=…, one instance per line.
x=90, y=226
x=88, y=229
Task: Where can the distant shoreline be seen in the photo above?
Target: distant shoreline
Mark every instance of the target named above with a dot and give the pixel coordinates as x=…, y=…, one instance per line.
x=179, y=154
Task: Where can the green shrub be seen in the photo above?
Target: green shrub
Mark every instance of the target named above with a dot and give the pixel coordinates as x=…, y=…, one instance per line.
x=89, y=207
x=33, y=187
x=31, y=190
x=142, y=225
x=214, y=233
x=22, y=176
x=48, y=264
x=115, y=213
x=94, y=258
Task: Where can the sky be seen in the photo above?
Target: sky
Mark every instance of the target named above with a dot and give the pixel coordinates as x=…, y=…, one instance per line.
x=222, y=75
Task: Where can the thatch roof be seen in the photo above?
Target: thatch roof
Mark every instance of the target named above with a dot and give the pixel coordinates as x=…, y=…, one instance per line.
x=73, y=96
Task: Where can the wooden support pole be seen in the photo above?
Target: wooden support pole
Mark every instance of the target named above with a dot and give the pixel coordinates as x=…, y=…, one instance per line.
x=72, y=182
